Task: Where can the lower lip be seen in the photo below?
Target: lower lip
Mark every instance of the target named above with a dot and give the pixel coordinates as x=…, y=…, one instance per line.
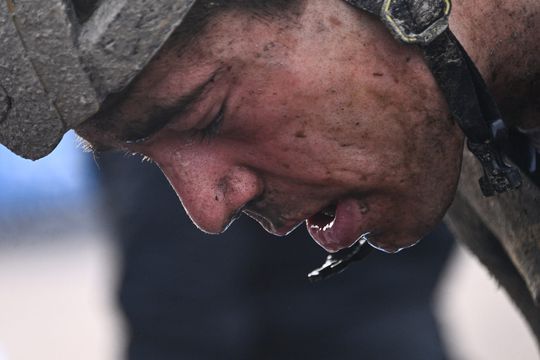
x=341, y=232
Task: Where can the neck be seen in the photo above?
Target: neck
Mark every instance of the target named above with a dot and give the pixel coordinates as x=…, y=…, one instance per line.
x=503, y=38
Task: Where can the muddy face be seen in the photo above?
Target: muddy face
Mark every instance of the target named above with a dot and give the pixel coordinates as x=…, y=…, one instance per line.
x=324, y=117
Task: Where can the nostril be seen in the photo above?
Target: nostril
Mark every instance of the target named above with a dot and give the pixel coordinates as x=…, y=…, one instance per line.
x=255, y=202
x=235, y=216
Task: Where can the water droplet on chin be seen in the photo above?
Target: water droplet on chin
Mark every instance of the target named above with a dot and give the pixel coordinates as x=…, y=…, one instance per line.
x=391, y=250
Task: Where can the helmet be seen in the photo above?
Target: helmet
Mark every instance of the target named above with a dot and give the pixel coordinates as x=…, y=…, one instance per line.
x=56, y=70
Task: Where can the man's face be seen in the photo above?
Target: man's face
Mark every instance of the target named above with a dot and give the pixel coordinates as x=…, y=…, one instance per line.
x=324, y=117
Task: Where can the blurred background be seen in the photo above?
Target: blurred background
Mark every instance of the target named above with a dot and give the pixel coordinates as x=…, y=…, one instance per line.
x=97, y=261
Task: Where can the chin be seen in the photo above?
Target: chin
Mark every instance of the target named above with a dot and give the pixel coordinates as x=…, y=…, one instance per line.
x=390, y=247
x=392, y=242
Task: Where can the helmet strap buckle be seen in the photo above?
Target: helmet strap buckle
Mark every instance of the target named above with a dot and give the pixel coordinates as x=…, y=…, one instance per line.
x=401, y=16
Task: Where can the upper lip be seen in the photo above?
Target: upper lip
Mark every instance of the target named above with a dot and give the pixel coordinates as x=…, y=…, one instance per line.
x=286, y=225
x=283, y=229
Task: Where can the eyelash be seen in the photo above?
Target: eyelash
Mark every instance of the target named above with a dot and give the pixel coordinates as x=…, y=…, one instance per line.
x=205, y=134
x=213, y=128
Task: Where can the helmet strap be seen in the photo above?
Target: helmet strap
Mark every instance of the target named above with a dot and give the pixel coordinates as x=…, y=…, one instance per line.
x=425, y=23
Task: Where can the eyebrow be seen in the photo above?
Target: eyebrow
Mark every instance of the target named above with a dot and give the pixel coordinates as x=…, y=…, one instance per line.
x=161, y=115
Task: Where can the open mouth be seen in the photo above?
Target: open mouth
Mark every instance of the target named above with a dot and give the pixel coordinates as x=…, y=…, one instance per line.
x=324, y=219
x=338, y=226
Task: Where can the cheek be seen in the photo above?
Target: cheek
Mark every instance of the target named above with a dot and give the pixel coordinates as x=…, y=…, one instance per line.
x=285, y=141
x=424, y=193
x=294, y=127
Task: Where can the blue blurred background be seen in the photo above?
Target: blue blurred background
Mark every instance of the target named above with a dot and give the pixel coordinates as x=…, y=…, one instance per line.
x=57, y=261
x=55, y=182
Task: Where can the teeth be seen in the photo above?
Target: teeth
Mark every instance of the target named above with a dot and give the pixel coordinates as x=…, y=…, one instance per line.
x=330, y=211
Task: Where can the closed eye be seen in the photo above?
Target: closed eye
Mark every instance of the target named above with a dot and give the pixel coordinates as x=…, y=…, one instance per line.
x=213, y=128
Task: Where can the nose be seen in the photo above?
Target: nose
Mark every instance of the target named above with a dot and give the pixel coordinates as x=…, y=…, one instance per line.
x=212, y=190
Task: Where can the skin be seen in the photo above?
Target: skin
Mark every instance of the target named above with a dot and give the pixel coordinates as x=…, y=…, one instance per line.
x=321, y=109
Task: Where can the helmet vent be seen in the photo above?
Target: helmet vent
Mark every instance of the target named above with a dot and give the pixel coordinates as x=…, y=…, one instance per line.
x=84, y=8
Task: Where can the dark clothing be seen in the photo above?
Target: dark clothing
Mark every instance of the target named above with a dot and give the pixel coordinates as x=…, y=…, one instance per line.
x=520, y=151
x=245, y=294
x=503, y=230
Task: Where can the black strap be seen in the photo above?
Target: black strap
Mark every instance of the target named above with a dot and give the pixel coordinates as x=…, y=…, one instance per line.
x=452, y=71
